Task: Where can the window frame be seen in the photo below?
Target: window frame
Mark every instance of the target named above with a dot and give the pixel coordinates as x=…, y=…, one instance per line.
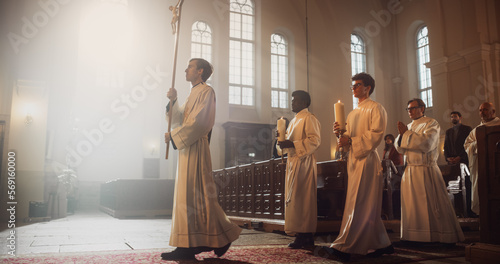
x=424, y=84
x=357, y=54
x=280, y=73
x=242, y=81
x=204, y=46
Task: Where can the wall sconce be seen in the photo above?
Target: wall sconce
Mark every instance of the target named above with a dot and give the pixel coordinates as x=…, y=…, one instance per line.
x=153, y=149
x=28, y=119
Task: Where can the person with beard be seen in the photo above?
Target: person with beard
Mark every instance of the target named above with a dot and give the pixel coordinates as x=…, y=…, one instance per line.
x=390, y=151
x=454, y=150
x=488, y=118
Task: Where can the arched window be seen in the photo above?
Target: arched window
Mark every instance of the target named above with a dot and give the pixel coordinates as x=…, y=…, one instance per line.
x=358, y=60
x=424, y=73
x=279, y=71
x=201, y=41
x=241, y=53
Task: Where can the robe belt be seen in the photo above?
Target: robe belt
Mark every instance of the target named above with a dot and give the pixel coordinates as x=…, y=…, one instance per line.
x=423, y=165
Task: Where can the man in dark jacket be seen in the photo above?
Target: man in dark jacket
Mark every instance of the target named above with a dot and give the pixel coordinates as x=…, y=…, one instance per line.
x=454, y=140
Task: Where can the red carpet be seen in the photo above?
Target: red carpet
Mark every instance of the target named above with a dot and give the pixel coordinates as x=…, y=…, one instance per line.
x=236, y=254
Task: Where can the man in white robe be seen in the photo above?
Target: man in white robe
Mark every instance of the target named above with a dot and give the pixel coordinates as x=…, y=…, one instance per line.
x=302, y=140
x=362, y=230
x=427, y=214
x=198, y=222
x=488, y=118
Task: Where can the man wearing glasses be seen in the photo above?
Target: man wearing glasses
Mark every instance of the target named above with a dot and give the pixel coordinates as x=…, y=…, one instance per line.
x=362, y=230
x=427, y=214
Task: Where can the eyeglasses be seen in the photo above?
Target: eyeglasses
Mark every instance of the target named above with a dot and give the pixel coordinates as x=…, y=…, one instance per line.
x=411, y=108
x=356, y=86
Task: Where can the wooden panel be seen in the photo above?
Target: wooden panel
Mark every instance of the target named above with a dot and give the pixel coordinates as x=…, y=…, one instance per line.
x=233, y=191
x=247, y=142
x=278, y=190
x=488, y=149
x=246, y=190
x=257, y=190
x=258, y=183
x=220, y=182
x=266, y=190
x=331, y=194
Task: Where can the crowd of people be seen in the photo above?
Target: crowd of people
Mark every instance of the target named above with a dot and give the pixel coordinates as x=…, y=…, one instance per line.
x=199, y=224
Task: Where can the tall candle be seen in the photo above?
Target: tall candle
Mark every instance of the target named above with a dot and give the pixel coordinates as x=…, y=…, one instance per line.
x=340, y=114
x=281, y=129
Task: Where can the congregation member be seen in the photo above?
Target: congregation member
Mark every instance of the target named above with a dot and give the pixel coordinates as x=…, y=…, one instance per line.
x=427, y=214
x=455, y=136
x=488, y=118
x=390, y=152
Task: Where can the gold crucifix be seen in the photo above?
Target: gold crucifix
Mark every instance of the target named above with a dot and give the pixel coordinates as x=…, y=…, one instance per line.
x=175, y=16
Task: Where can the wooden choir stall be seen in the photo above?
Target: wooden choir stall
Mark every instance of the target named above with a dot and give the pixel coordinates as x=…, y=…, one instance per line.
x=252, y=194
x=488, y=153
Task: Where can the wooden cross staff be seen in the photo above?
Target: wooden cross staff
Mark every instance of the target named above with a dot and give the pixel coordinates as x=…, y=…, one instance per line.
x=176, y=21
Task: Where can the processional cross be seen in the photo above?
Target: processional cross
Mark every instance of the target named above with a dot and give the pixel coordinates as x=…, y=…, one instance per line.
x=176, y=21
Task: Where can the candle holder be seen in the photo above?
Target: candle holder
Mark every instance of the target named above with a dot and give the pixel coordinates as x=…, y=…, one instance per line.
x=280, y=135
x=341, y=149
x=282, y=155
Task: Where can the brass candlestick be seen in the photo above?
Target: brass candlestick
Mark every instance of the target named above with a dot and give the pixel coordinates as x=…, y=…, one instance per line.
x=341, y=149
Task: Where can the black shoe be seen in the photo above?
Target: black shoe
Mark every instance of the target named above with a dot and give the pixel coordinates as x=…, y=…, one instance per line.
x=179, y=254
x=381, y=251
x=198, y=250
x=448, y=245
x=222, y=250
x=344, y=257
x=295, y=244
x=303, y=240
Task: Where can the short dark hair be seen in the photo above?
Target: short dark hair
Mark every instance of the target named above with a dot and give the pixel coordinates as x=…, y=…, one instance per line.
x=208, y=69
x=303, y=95
x=367, y=80
x=456, y=113
x=391, y=136
x=419, y=101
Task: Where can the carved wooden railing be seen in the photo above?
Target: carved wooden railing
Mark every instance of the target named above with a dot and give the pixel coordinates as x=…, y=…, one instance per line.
x=257, y=190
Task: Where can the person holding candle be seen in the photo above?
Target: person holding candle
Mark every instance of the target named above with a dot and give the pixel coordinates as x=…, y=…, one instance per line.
x=302, y=139
x=279, y=122
x=362, y=230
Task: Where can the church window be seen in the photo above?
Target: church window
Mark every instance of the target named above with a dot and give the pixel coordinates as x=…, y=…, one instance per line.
x=358, y=59
x=279, y=71
x=201, y=41
x=241, y=53
x=424, y=73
